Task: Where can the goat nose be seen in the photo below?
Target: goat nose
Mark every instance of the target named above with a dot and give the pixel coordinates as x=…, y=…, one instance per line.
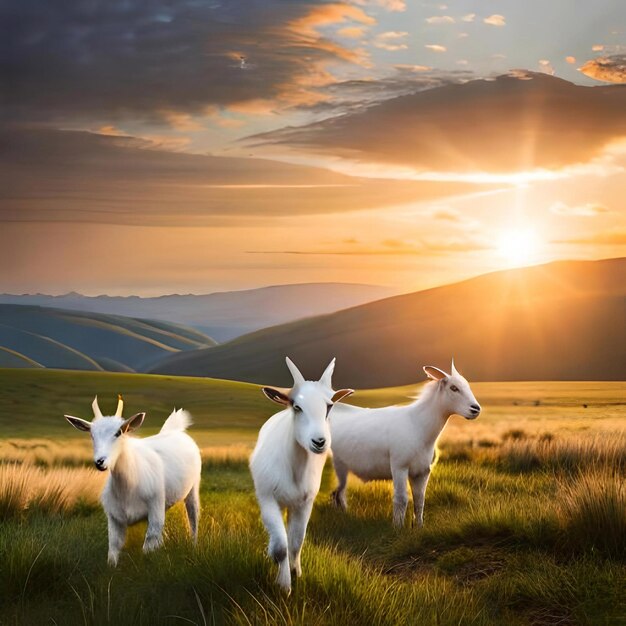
x=475, y=408
x=99, y=462
x=319, y=443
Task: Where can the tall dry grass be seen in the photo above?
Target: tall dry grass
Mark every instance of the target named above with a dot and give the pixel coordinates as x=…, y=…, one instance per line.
x=26, y=488
x=526, y=453
x=591, y=511
x=46, y=452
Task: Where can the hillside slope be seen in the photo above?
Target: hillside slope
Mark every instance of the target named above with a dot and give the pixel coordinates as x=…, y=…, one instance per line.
x=39, y=336
x=560, y=321
x=225, y=315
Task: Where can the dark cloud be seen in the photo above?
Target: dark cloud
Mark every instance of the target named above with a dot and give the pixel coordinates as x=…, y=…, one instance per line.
x=351, y=95
x=49, y=175
x=113, y=58
x=499, y=125
x=611, y=69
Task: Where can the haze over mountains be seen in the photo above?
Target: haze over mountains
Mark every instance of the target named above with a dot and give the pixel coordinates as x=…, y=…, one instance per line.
x=34, y=336
x=224, y=315
x=560, y=321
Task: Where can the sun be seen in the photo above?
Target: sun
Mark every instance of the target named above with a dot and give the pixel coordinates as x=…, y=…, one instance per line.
x=518, y=246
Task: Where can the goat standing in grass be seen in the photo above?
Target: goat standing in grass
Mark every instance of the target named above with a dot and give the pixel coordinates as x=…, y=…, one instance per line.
x=398, y=442
x=147, y=475
x=287, y=464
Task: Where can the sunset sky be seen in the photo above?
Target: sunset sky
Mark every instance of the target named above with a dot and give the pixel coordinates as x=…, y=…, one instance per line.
x=198, y=145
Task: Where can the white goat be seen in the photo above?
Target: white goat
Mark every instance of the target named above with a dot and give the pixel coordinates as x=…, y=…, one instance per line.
x=147, y=475
x=398, y=442
x=287, y=464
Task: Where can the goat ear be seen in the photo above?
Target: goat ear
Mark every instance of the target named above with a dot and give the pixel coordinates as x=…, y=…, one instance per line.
x=276, y=395
x=78, y=423
x=341, y=394
x=434, y=372
x=133, y=423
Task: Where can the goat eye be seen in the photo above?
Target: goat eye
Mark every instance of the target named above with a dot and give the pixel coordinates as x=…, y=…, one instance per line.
x=328, y=408
x=454, y=388
x=296, y=408
x=118, y=433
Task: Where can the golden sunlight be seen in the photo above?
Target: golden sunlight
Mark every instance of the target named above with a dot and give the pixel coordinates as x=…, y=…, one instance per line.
x=517, y=247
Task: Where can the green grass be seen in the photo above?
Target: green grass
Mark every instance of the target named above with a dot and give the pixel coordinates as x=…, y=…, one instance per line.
x=528, y=529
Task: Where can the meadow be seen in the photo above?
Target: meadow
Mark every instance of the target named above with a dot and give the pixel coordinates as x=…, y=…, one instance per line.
x=525, y=517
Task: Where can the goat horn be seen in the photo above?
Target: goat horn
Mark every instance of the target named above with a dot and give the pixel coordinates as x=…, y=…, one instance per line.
x=453, y=369
x=96, y=409
x=298, y=378
x=120, y=405
x=327, y=376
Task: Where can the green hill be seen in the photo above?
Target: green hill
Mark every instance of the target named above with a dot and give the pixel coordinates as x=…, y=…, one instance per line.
x=49, y=337
x=560, y=321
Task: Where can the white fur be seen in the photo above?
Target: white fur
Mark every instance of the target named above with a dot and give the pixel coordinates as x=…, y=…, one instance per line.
x=398, y=442
x=147, y=476
x=286, y=466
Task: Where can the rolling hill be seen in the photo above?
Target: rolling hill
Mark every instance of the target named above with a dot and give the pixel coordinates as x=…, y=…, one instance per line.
x=225, y=315
x=34, y=336
x=560, y=321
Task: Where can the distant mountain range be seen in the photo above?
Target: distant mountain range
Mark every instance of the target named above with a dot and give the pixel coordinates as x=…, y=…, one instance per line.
x=560, y=321
x=34, y=336
x=222, y=316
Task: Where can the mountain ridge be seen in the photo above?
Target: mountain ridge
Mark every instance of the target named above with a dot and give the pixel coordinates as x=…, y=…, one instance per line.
x=573, y=309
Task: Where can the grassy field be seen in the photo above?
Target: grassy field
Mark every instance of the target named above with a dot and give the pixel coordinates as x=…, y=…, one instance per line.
x=525, y=518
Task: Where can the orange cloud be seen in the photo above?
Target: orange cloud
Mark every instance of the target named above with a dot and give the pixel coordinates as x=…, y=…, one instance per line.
x=611, y=69
x=472, y=127
x=352, y=32
x=181, y=121
x=326, y=14
x=570, y=59
x=435, y=47
x=389, y=5
x=608, y=238
x=395, y=247
x=112, y=131
x=581, y=210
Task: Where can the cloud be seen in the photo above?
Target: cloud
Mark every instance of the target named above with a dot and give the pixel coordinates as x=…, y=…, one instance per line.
x=440, y=19
x=391, y=40
x=495, y=20
x=447, y=215
x=570, y=59
x=352, y=32
x=597, y=48
x=71, y=176
x=470, y=17
x=391, y=5
x=504, y=125
x=546, y=67
x=608, y=238
x=581, y=210
x=353, y=95
x=611, y=69
x=393, y=247
x=117, y=60
x=435, y=47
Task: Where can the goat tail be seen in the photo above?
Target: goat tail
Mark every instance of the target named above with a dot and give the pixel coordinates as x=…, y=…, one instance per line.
x=179, y=420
